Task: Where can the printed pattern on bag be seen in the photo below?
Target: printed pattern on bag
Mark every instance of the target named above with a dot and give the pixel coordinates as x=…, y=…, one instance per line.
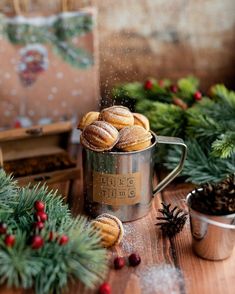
x=49, y=69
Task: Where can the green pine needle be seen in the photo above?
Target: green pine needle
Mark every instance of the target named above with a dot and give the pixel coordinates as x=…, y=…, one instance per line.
x=207, y=125
x=188, y=85
x=200, y=167
x=222, y=94
x=18, y=265
x=50, y=268
x=164, y=118
x=224, y=147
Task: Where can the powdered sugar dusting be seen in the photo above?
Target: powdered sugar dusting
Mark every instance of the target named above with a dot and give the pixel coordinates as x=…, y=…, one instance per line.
x=133, y=239
x=161, y=279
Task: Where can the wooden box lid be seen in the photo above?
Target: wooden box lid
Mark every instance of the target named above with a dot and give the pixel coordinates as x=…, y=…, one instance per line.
x=35, y=141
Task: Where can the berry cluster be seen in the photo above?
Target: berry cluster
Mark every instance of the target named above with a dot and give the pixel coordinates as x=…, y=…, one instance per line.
x=173, y=88
x=41, y=217
x=36, y=241
x=133, y=259
x=9, y=239
x=119, y=262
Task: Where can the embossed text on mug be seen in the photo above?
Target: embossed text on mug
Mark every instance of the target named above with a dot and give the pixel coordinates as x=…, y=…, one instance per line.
x=113, y=189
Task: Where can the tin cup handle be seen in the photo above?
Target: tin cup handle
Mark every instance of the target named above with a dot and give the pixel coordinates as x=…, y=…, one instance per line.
x=178, y=168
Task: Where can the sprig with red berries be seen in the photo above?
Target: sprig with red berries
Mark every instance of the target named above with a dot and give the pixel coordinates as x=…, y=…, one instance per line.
x=183, y=93
x=42, y=245
x=207, y=124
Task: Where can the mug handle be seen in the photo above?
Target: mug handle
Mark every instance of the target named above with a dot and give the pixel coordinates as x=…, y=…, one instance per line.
x=178, y=168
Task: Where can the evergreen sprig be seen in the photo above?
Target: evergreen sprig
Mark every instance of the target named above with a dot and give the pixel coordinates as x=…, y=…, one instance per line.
x=50, y=268
x=214, y=122
x=164, y=118
x=224, y=146
x=18, y=265
x=199, y=166
x=133, y=93
x=208, y=125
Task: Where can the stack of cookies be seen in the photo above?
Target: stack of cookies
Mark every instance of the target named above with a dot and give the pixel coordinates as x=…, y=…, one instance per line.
x=115, y=127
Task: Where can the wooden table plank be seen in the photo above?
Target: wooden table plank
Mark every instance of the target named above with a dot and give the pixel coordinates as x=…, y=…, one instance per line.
x=201, y=276
x=168, y=265
x=143, y=237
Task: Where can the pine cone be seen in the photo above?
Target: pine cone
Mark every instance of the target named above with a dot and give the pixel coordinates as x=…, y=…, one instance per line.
x=174, y=220
x=217, y=199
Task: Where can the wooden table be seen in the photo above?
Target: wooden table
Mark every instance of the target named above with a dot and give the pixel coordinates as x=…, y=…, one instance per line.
x=168, y=265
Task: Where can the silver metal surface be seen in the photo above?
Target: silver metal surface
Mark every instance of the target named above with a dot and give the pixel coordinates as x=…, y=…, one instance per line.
x=213, y=237
x=126, y=163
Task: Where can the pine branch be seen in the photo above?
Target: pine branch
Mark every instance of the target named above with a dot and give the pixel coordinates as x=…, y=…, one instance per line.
x=224, y=147
x=165, y=119
x=8, y=193
x=136, y=92
x=188, y=86
x=18, y=266
x=128, y=91
x=202, y=127
x=51, y=267
x=75, y=260
x=200, y=167
x=220, y=93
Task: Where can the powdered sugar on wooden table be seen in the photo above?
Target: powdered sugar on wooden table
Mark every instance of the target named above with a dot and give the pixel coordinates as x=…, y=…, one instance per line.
x=153, y=278
x=160, y=279
x=133, y=240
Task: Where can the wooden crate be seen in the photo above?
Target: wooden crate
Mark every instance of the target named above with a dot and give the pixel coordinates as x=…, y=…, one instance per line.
x=40, y=155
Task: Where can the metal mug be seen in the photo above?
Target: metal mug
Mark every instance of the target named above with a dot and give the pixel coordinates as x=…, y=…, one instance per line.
x=213, y=237
x=120, y=183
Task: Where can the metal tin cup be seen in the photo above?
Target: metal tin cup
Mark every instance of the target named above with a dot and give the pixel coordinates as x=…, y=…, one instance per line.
x=213, y=237
x=120, y=183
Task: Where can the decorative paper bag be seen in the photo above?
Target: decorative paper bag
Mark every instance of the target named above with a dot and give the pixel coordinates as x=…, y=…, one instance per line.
x=48, y=64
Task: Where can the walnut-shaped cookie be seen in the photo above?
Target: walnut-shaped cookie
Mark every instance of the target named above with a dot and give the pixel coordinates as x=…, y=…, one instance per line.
x=118, y=116
x=88, y=119
x=141, y=120
x=133, y=138
x=99, y=136
x=111, y=229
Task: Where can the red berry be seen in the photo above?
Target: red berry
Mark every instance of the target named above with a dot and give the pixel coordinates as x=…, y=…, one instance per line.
x=41, y=216
x=105, y=289
x=134, y=259
x=174, y=88
x=3, y=228
x=9, y=240
x=39, y=205
x=37, y=242
x=38, y=225
x=119, y=262
x=197, y=95
x=63, y=240
x=148, y=85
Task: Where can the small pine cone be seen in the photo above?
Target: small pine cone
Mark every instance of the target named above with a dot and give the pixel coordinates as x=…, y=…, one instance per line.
x=174, y=220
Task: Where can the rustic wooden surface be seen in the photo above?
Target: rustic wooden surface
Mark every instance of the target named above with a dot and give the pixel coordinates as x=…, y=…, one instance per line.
x=195, y=275
x=142, y=236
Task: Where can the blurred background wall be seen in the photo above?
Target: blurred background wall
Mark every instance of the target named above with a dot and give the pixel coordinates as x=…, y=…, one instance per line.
x=166, y=38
